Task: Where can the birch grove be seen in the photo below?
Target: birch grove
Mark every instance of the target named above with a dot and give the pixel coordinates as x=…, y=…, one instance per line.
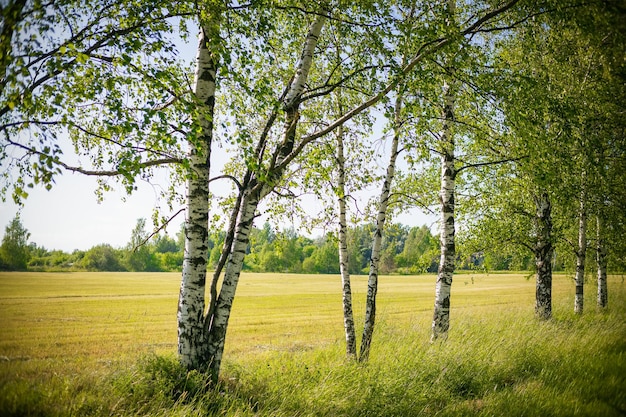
x=87, y=92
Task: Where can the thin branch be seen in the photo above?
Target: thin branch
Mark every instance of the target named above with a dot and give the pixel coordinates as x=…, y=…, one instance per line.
x=87, y=132
x=229, y=177
x=154, y=233
x=482, y=164
x=417, y=201
x=328, y=16
x=104, y=173
x=329, y=88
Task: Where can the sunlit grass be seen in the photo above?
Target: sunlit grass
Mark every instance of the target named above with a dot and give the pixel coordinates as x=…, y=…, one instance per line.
x=103, y=344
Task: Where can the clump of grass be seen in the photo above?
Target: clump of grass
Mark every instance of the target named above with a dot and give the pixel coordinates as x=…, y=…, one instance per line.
x=510, y=365
x=497, y=360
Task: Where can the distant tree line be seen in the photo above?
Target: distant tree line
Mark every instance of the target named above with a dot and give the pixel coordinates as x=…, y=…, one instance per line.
x=405, y=250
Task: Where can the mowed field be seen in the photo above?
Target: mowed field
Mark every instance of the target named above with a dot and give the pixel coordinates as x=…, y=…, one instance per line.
x=54, y=326
x=109, y=316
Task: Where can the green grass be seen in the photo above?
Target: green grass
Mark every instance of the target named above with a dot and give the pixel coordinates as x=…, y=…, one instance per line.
x=103, y=344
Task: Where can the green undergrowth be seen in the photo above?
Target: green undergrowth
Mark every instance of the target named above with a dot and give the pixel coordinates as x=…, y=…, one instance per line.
x=491, y=367
x=502, y=364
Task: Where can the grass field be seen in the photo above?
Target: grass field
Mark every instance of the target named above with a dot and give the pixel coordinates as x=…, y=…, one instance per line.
x=103, y=344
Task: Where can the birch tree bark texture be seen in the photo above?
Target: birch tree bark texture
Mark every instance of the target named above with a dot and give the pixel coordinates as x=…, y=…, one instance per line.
x=221, y=314
x=383, y=204
x=348, y=315
x=543, y=250
x=441, y=316
x=255, y=190
x=581, y=253
x=191, y=336
x=603, y=292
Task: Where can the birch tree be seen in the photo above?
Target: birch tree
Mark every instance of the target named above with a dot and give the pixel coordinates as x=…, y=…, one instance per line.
x=581, y=253
x=107, y=76
x=382, y=206
x=549, y=88
x=344, y=262
x=192, y=347
x=253, y=191
x=602, y=297
x=441, y=318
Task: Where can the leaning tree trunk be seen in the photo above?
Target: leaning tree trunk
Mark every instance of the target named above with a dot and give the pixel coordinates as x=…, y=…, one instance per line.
x=348, y=316
x=543, y=256
x=221, y=312
x=603, y=293
x=581, y=255
x=191, y=335
x=254, y=192
x=441, y=316
x=383, y=203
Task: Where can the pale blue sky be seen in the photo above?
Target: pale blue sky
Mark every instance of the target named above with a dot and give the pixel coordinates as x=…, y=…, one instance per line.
x=69, y=216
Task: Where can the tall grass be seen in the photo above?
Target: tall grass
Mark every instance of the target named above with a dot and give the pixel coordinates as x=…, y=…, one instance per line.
x=286, y=355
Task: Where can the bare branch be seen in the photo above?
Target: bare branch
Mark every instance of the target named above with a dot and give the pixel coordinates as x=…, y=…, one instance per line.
x=482, y=164
x=163, y=226
x=229, y=177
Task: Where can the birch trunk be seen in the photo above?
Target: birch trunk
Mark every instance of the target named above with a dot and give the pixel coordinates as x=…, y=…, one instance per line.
x=224, y=303
x=543, y=256
x=581, y=255
x=191, y=335
x=348, y=316
x=603, y=293
x=251, y=196
x=383, y=203
x=441, y=316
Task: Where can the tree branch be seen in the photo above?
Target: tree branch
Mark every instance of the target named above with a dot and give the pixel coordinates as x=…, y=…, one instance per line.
x=229, y=177
x=482, y=164
x=81, y=170
x=154, y=233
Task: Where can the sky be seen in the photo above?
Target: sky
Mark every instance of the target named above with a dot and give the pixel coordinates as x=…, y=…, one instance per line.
x=69, y=216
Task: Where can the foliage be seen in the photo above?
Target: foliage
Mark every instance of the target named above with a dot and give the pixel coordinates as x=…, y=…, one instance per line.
x=14, y=251
x=139, y=256
x=95, y=72
x=102, y=258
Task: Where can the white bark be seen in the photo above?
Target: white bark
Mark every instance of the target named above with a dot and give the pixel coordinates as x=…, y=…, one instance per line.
x=223, y=306
x=252, y=195
x=191, y=335
x=581, y=254
x=441, y=316
x=305, y=62
x=603, y=293
x=348, y=317
x=543, y=256
x=383, y=204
